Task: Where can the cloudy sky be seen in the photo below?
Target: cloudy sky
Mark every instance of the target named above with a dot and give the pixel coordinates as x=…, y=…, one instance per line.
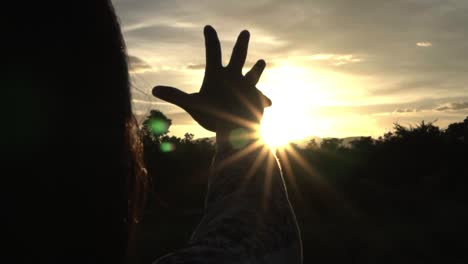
x=334, y=68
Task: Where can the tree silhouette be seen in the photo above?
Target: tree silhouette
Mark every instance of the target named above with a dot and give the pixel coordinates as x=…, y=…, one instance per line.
x=312, y=144
x=155, y=126
x=331, y=144
x=384, y=195
x=362, y=144
x=458, y=131
x=188, y=138
x=422, y=131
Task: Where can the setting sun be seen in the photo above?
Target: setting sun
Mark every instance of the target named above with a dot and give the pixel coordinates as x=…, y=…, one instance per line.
x=280, y=126
x=283, y=122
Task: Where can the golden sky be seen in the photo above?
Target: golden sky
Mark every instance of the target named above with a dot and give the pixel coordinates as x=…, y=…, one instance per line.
x=334, y=68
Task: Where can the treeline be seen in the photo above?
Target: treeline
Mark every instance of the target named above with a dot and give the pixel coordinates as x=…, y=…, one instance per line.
x=400, y=198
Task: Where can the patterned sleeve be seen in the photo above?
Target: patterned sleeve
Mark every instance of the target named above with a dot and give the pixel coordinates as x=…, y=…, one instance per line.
x=248, y=217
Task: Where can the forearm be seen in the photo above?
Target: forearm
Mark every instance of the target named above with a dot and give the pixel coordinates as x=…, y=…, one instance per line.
x=245, y=170
x=247, y=205
x=248, y=218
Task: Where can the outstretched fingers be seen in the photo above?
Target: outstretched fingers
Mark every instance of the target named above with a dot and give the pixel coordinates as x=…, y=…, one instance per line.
x=254, y=74
x=213, y=50
x=173, y=95
x=239, y=53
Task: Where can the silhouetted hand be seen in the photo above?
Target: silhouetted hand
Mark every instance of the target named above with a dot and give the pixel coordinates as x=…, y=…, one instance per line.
x=227, y=99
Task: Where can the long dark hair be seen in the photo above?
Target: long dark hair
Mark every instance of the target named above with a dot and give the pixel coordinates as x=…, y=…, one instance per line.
x=73, y=134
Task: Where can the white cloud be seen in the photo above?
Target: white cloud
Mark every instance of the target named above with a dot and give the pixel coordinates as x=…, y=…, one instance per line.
x=455, y=106
x=406, y=110
x=137, y=65
x=335, y=59
x=424, y=44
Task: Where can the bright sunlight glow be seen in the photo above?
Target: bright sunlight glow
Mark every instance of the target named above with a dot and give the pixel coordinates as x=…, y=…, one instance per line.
x=280, y=127
x=286, y=120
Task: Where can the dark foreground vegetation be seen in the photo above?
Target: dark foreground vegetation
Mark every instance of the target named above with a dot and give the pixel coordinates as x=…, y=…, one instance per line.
x=401, y=198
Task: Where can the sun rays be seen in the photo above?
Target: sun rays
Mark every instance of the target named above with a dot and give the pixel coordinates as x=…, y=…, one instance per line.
x=268, y=144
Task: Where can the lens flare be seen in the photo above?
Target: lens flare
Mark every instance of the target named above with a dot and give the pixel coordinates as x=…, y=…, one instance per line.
x=167, y=147
x=158, y=126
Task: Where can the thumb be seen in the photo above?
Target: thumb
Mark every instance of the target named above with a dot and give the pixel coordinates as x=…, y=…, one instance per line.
x=172, y=95
x=266, y=102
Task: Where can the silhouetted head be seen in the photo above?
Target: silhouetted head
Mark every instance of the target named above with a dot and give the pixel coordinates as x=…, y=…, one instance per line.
x=77, y=179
